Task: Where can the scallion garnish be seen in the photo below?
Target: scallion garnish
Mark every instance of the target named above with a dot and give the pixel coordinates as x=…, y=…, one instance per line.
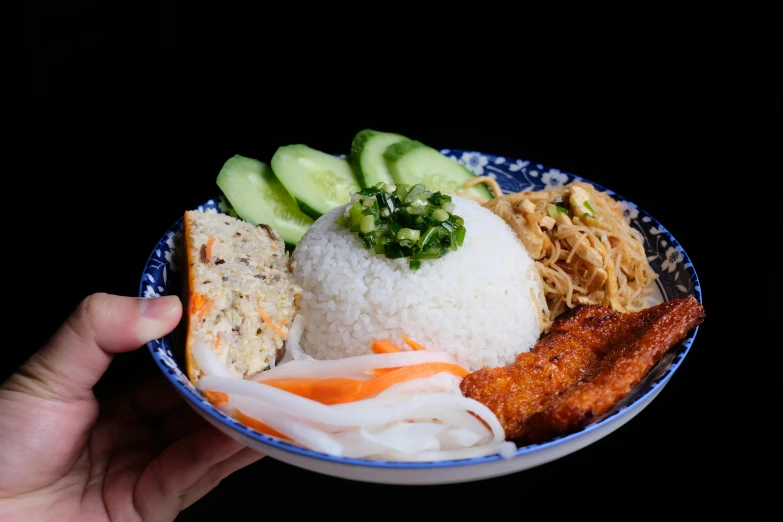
x=367, y=224
x=440, y=215
x=591, y=209
x=404, y=221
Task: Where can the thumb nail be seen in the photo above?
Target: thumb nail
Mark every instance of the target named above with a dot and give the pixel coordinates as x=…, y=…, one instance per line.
x=157, y=316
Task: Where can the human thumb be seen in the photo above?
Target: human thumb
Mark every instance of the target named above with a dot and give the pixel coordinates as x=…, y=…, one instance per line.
x=79, y=353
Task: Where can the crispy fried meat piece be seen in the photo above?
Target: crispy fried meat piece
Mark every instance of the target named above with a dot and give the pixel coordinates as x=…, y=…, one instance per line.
x=590, y=360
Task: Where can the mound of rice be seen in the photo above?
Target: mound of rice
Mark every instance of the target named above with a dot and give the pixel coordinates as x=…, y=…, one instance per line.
x=477, y=302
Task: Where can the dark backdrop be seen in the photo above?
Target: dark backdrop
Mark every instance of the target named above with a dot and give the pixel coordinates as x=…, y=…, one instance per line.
x=119, y=118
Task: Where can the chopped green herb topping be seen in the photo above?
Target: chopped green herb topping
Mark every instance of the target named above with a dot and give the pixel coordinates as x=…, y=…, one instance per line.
x=593, y=211
x=401, y=221
x=554, y=209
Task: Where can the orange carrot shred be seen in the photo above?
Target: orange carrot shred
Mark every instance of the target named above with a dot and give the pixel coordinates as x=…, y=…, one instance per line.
x=257, y=425
x=326, y=391
x=210, y=243
x=268, y=321
x=413, y=344
x=216, y=397
x=199, y=305
x=384, y=346
x=380, y=371
x=378, y=384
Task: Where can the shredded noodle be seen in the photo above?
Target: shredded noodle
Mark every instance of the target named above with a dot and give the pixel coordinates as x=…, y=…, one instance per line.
x=584, y=247
x=491, y=183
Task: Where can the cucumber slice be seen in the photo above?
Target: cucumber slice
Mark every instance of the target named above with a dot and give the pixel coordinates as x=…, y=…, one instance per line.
x=317, y=181
x=367, y=156
x=256, y=195
x=412, y=162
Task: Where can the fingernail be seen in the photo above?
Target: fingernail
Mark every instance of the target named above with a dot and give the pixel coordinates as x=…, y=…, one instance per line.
x=156, y=316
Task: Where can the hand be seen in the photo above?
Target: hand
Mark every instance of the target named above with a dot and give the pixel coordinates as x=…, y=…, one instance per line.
x=144, y=457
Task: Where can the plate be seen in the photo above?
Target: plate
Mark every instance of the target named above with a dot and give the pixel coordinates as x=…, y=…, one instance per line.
x=678, y=278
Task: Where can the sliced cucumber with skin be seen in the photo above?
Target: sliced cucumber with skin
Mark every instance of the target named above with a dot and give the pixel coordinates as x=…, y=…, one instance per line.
x=317, y=181
x=366, y=156
x=258, y=197
x=412, y=162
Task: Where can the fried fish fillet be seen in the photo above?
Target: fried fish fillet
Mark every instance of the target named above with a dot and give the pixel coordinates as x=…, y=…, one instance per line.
x=590, y=360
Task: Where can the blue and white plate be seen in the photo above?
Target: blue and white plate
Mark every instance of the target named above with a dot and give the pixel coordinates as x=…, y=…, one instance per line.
x=678, y=278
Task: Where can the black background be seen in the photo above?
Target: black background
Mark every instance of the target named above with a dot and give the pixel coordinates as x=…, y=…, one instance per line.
x=118, y=119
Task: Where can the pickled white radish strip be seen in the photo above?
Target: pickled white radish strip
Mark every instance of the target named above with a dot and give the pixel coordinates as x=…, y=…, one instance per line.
x=360, y=413
x=351, y=366
x=458, y=438
x=506, y=450
x=424, y=419
x=355, y=446
x=293, y=351
x=363, y=449
x=405, y=430
x=410, y=407
x=440, y=382
x=299, y=406
x=409, y=443
x=459, y=419
x=207, y=361
x=301, y=432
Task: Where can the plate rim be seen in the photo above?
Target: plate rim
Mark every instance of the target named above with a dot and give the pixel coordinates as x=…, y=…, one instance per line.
x=653, y=387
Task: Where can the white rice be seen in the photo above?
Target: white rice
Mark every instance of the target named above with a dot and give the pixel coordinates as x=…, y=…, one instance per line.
x=475, y=302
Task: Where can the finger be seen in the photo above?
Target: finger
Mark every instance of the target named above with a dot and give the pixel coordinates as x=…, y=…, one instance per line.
x=218, y=472
x=78, y=354
x=122, y=473
x=163, y=484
